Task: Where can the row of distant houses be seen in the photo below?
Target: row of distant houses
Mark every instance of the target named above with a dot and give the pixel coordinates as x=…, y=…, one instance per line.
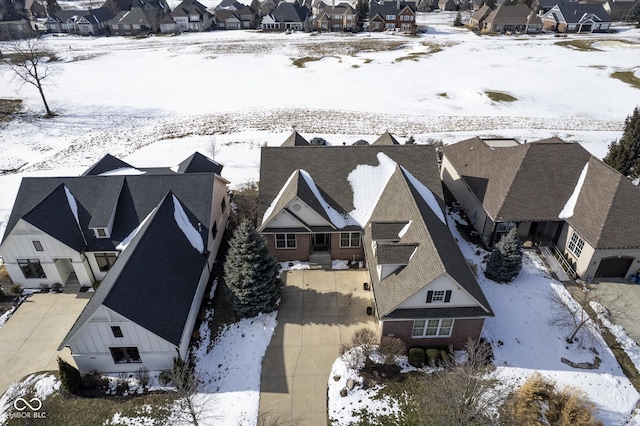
x=155, y=16
x=561, y=17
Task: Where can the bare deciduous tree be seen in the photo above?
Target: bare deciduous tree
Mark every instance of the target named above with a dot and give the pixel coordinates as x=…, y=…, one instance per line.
x=192, y=400
x=32, y=63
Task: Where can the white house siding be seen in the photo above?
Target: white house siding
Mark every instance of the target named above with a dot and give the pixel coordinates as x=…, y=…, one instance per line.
x=306, y=213
x=195, y=308
x=459, y=297
x=470, y=203
x=90, y=345
x=19, y=245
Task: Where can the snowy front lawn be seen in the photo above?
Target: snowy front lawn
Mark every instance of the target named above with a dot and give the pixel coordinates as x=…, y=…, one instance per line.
x=525, y=339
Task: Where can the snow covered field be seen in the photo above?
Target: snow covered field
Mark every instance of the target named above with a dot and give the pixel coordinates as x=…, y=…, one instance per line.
x=154, y=101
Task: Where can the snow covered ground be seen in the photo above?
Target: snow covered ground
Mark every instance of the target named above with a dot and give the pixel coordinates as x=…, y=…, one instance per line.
x=154, y=101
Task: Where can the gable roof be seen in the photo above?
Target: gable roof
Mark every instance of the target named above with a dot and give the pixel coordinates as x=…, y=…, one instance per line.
x=108, y=163
x=575, y=13
x=198, y=163
x=295, y=139
x=190, y=7
x=130, y=17
x=330, y=166
x=390, y=8
x=131, y=197
x=290, y=12
x=481, y=13
x=518, y=14
x=229, y=5
x=607, y=207
x=427, y=247
x=386, y=139
x=159, y=269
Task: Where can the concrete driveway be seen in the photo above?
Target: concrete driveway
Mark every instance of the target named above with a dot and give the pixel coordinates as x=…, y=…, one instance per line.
x=622, y=298
x=29, y=340
x=319, y=311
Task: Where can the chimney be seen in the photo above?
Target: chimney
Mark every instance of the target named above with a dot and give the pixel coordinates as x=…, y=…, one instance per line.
x=398, y=5
x=333, y=4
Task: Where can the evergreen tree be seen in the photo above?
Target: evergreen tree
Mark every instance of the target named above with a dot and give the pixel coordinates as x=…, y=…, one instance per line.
x=458, y=21
x=633, y=15
x=491, y=3
x=505, y=262
x=69, y=376
x=362, y=12
x=624, y=155
x=251, y=274
x=53, y=7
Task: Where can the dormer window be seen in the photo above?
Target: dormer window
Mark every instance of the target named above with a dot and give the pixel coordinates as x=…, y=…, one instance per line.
x=438, y=296
x=101, y=232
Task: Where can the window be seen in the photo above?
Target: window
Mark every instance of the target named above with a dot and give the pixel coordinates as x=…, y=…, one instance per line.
x=117, y=331
x=31, y=268
x=223, y=205
x=214, y=230
x=349, y=239
x=125, y=355
x=105, y=260
x=391, y=26
x=285, y=241
x=576, y=244
x=438, y=296
x=390, y=17
x=38, y=245
x=136, y=26
x=125, y=26
x=432, y=328
x=101, y=232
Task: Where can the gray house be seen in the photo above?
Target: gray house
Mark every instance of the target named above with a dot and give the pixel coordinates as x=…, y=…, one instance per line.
x=382, y=204
x=556, y=193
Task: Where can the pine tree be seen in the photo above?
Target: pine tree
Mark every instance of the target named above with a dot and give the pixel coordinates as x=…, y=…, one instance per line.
x=362, y=12
x=251, y=273
x=624, y=155
x=53, y=7
x=458, y=21
x=69, y=376
x=505, y=262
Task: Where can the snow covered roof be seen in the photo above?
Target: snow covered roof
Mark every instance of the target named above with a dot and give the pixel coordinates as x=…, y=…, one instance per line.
x=338, y=171
x=551, y=180
x=160, y=269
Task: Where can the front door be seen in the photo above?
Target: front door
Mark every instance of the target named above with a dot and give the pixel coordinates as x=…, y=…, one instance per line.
x=320, y=242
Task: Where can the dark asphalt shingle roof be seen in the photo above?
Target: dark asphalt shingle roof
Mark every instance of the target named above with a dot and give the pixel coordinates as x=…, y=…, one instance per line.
x=290, y=12
x=518, y=14
x=443, y=312
x=535, y=180
x=154, y=281
x=198, y=163
x=386, y=230
x=395, y=254
x=386, y=139
x=329, y=167
x=108, y=163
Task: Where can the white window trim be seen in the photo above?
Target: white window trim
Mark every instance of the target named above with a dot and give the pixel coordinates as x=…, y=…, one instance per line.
x=286, y=242
x=439, y=327
x=575, y=247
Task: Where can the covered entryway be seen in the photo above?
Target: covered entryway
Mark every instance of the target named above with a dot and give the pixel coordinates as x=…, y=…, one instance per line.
x=614, y=267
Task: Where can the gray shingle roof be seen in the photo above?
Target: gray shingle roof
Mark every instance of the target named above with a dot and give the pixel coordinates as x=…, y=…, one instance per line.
x=442, y=312
x=190, y=7
x=329, y=166
x=198, y=163
x=295, y=139
x=290, y=12
x=534, y=182
x=389, y=8
x=107, y=163
x=386, y=139
x=154, y=280
x=386, y=230
x=437, y=253
x=574, y=13
x=518, y=14
x=395, y=254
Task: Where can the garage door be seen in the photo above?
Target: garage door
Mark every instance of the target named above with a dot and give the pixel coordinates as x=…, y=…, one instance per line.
x=614, y=267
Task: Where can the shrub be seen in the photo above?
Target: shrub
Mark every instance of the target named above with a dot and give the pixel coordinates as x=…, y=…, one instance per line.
x=44, y=288
x=142, y=374
x=1, y=293
x=57, y=287
x=391, y=348
x=16, y=290
x=164, y=378
x=538, y=401
x=416, y=357
x=444, y=355
x=69, y=376
x=93, y=380
x=433, y=356
x=366, y=339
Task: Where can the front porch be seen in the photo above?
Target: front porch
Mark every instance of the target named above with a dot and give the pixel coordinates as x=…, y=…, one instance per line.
x=319, y=248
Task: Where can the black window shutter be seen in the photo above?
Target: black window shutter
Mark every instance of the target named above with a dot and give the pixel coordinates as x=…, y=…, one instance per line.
x=429, y=296
x=447, y=296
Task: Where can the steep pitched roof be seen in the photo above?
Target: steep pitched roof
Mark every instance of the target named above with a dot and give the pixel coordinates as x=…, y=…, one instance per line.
x=130, y=17
x=295, y=139
x=386, y=139
x=434, y=252
x=330, y=166
x=108, y=163
x=388, y=230
x=389, y=8
x=160, y=269
x=575, y=13
x=607, y=207
x=290, y=12
x=190, y=7
x=198, y=163
x=481, y=13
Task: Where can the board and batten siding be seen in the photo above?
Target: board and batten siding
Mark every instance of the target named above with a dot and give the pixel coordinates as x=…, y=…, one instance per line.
x=459, y=296
x=90, y=345
x=19, y=245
